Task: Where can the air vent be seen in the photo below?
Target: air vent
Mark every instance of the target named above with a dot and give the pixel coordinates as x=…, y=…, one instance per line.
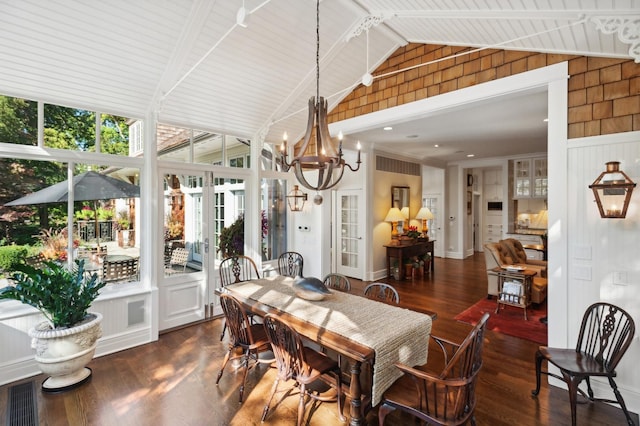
x=22, y=409
x=135, y=313
x=385, y=164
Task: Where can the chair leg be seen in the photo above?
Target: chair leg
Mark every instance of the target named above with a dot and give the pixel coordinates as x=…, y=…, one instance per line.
x=224, y=364
x=620, y=400
x=572, y=383
x=301, y=404
x=384, y=409
x=265, y=410
x=245, y=361
x=224, y=329
x=539, y=358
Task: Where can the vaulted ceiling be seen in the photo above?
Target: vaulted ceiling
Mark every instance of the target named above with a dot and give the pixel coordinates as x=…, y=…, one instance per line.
x=199, y=65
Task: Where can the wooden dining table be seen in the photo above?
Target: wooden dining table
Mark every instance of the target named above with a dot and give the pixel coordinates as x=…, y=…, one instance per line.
x=368, y=333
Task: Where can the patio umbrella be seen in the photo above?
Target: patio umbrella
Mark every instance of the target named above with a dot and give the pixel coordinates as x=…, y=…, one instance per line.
x=88, y=186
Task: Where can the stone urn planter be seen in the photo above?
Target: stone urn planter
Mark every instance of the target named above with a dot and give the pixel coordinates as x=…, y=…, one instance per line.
x=63, y=353
x=66, y=341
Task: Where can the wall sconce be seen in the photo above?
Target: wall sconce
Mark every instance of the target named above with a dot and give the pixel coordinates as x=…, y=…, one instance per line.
x=296, y=199
x=612, y=190
x=394, y=216
x=424, y=214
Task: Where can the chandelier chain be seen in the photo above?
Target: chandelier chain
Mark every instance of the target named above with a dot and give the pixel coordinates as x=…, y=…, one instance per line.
x=318, y=51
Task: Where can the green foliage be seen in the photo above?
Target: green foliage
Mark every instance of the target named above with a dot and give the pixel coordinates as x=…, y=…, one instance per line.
x=64, y=128
x=61, y=295
x=25, y=235
x=124, y=222
x=11, y=256
x=231, y=241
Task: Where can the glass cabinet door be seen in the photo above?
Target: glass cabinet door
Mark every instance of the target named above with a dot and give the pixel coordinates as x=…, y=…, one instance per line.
x=522, y=180
x=540, y=177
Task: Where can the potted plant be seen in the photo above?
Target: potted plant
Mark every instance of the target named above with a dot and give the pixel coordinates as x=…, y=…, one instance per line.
x=231, y=242
x=125, y=233
x=65, y=342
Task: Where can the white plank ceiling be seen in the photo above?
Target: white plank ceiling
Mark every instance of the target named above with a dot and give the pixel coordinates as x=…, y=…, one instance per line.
x=192, y=61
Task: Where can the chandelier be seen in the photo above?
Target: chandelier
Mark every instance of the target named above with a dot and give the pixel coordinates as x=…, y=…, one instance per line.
x=322, y=158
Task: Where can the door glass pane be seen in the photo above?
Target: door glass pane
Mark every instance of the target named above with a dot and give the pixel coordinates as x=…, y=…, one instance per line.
x=273, y=218
x=348, y=231
x=182, y=223
x=229, y=226
x=432, y=224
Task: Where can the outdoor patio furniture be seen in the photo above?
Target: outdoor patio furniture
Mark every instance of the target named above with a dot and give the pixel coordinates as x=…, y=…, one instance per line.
x=120, y=270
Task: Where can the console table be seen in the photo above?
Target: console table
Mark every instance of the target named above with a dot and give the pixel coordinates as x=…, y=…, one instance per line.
x=406, y=251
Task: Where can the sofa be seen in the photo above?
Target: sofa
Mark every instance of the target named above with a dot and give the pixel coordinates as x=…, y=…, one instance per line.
x=510, y=252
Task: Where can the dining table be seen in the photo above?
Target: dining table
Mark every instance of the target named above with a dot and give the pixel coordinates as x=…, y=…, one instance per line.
x=369, y=333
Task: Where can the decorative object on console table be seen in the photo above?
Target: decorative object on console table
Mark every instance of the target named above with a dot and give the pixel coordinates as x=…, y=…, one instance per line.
x=405, y=222
x=424, y=214
x=394, y=216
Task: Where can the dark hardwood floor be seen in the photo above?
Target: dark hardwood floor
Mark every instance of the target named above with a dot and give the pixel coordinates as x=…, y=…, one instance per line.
x=172, y=381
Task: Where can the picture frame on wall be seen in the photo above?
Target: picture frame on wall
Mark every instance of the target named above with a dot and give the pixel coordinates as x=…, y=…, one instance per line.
x=469, y=195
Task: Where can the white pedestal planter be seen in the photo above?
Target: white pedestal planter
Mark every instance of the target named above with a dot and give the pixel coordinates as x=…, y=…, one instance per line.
x=63, y=353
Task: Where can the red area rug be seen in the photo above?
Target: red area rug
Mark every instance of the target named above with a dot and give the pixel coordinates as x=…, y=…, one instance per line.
x=510, y=320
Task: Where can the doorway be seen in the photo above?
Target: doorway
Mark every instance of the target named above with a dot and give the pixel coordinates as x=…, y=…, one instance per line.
x=196, y=206
x=349, y=243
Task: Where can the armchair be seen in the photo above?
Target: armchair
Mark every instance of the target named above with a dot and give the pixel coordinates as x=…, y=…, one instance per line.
x=510, y=252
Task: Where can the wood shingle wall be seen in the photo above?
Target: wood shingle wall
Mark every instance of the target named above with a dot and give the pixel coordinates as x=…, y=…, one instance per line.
x=604, y=94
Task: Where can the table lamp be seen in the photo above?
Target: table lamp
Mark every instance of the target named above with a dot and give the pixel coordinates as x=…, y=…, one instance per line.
x=405, y=219
x=394, y=216
x=424, y=214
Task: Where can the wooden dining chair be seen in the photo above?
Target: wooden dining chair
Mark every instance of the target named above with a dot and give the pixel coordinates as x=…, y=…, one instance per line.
x=237, y=269
x=290, y=263
x=337, y=282
x=605, y=335
x=250, y=339
x=447, y=398
x=383, y=292
x=302, y=364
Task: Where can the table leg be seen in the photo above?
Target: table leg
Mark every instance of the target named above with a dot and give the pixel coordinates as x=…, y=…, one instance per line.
x=355, y=390
x=388, y=266
x=433, y=263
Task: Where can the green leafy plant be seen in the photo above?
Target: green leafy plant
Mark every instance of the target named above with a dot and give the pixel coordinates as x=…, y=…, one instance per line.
x=63, y=296
x=413, y=232
x=124, y=222
x=231, y=241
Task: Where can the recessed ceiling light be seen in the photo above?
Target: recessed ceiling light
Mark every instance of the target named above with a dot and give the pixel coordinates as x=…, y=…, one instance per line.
x=412, y=136
x=471, y=155
x=387, y=128
x=436, y=146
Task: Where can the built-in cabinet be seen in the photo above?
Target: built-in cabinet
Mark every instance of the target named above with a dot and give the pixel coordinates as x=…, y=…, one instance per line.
x=492, y=185
x=530, y=178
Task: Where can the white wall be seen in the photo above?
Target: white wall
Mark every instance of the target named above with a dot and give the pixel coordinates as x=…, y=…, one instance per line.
x=599, y=248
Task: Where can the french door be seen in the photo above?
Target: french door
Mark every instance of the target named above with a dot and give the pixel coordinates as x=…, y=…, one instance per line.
x=196, y=206
x=348, y=247
x=434, y=203
x=184, y=290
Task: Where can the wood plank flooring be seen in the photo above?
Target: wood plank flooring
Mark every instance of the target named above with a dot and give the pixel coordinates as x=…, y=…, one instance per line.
x=172, y=381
